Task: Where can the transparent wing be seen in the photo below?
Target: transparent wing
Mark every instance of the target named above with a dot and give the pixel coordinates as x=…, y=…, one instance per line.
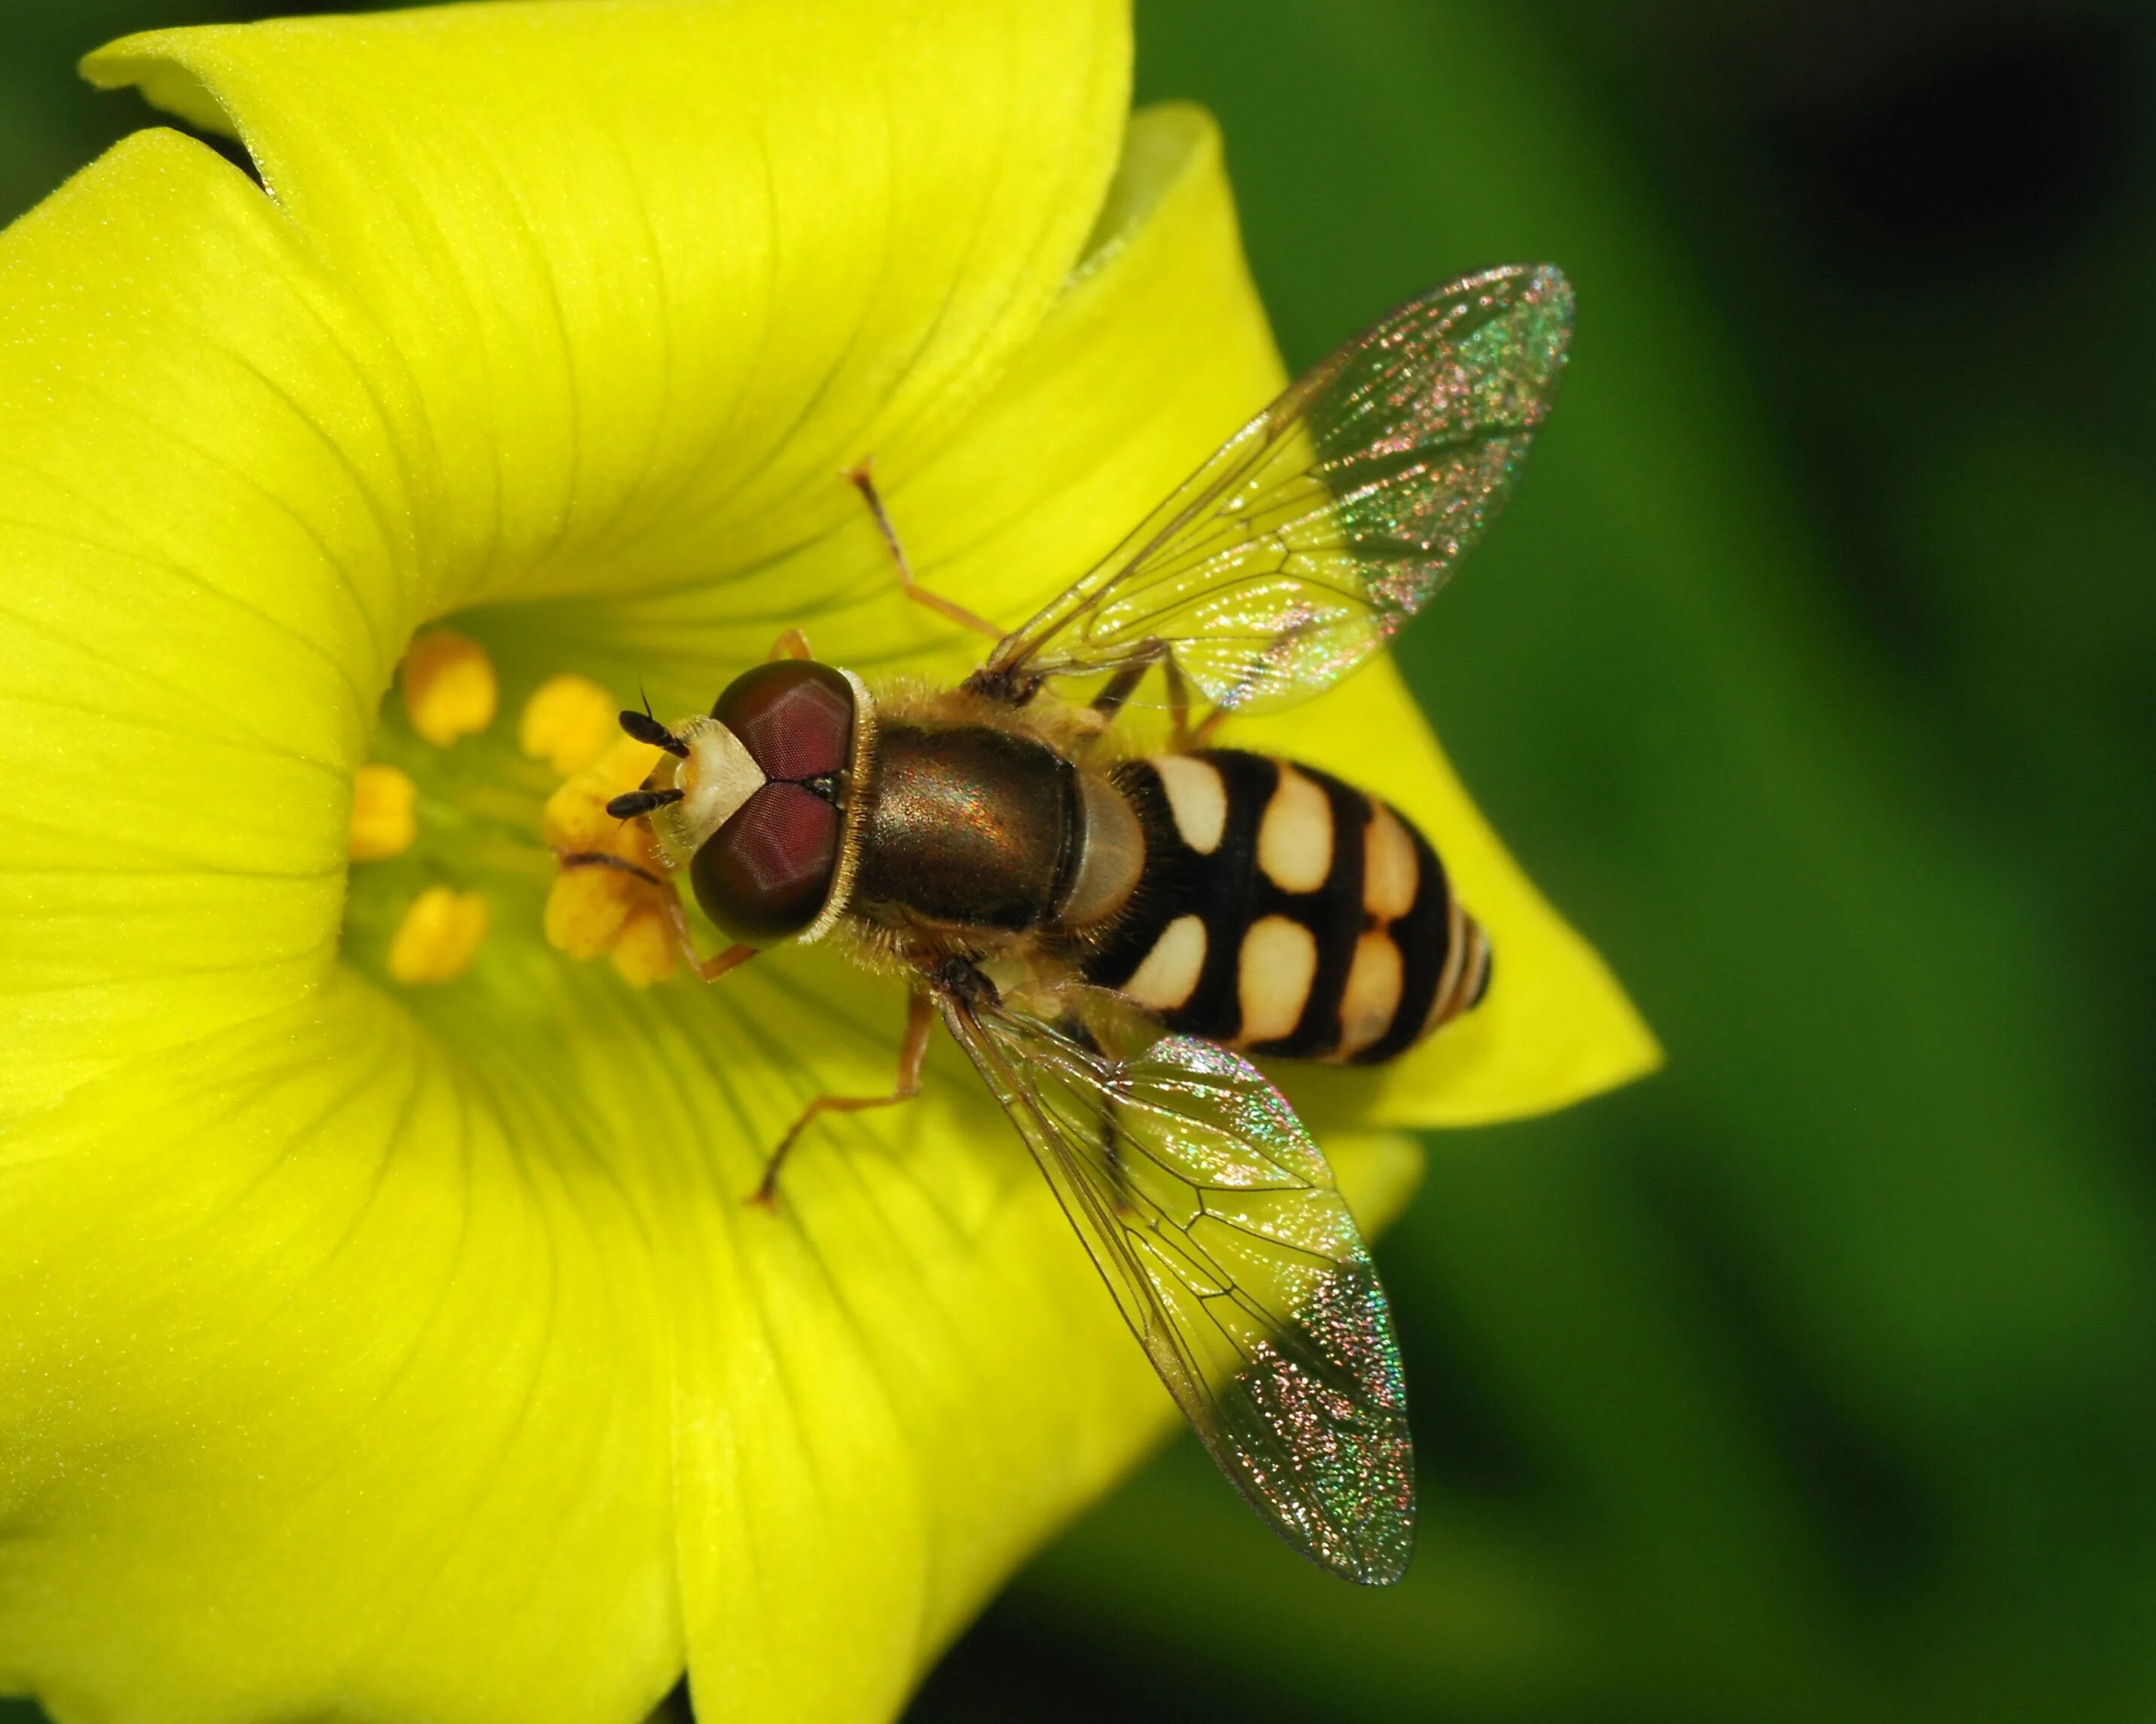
x=1214, y=1219
x=1300, y=548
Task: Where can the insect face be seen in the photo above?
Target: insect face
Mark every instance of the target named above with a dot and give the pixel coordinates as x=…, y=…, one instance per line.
x=761, y=820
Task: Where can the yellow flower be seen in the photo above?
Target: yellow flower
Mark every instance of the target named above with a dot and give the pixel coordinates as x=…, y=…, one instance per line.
x=407, y=1350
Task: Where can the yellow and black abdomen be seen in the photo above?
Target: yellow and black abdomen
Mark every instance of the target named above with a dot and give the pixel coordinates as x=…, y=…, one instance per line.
x=1281, y=912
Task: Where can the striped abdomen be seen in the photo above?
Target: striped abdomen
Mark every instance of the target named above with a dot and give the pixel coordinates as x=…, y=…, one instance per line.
x=1282, y=912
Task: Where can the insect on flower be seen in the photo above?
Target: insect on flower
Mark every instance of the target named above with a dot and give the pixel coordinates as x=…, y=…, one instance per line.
x=1108, y=934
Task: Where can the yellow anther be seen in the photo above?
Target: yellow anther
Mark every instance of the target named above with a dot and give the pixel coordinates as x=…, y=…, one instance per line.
x=576, y=817
x=449, y=687
x=645, y=951
x=587, y=908
x=569, y=723
x=435, y=941
x=383, y=825
x=592, y=909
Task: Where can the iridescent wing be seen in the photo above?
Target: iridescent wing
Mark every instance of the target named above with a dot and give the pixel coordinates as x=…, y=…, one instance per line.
x=1213, y=1220
x=1299, y=549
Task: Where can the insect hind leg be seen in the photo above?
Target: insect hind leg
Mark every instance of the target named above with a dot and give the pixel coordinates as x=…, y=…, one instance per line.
x=1073, y=1027
x=1114, y=695
x=920, y=1019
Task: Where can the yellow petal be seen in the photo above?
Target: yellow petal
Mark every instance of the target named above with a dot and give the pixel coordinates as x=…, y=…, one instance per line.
x=1159, y=349
x=324, y=1349
x=204, y=523
x=657, y=272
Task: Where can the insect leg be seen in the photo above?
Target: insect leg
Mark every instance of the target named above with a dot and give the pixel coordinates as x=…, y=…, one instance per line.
x=858, y=477
x=920, y=1019
x=1073, y=1027
x=706, y=969
x=1206, y=726
x=1119, y=687
x=603, y=859
x=709, y=969
x=1180, y=737
x=1108, y=705
x=1244, y=685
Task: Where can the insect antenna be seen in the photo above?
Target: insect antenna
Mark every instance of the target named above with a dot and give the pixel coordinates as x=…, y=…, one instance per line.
x=646, y=728
x=631, y=803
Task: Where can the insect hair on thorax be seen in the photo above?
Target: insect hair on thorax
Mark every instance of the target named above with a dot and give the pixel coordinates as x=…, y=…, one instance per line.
x=1074, y=731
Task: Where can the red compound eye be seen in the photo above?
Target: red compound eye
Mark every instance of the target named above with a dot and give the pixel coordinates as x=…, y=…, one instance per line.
x=765, y=874
x=795, y=718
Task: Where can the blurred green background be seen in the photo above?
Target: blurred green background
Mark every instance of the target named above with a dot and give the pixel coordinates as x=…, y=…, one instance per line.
x=1811, y=674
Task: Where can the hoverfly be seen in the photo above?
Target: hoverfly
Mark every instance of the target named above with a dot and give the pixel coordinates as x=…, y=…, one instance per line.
x=1108, y=935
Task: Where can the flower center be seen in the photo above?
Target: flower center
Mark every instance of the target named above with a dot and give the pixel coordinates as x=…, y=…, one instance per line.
x=456, y=827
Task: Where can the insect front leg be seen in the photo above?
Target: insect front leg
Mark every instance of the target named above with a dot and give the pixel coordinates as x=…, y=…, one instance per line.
x=920, y=1019
x=606, y=859
x=1070, y=1023
x=706, y=969
x=858, y=477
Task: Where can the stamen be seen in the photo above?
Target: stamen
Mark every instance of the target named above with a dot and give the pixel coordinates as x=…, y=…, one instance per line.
x=435, y=941
x=611, y=896
x=450, y=688
x=569, y=723
x=610, y=892
x=587, y=909
x=645, y=953
x=382, y=823
x=576, y=817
